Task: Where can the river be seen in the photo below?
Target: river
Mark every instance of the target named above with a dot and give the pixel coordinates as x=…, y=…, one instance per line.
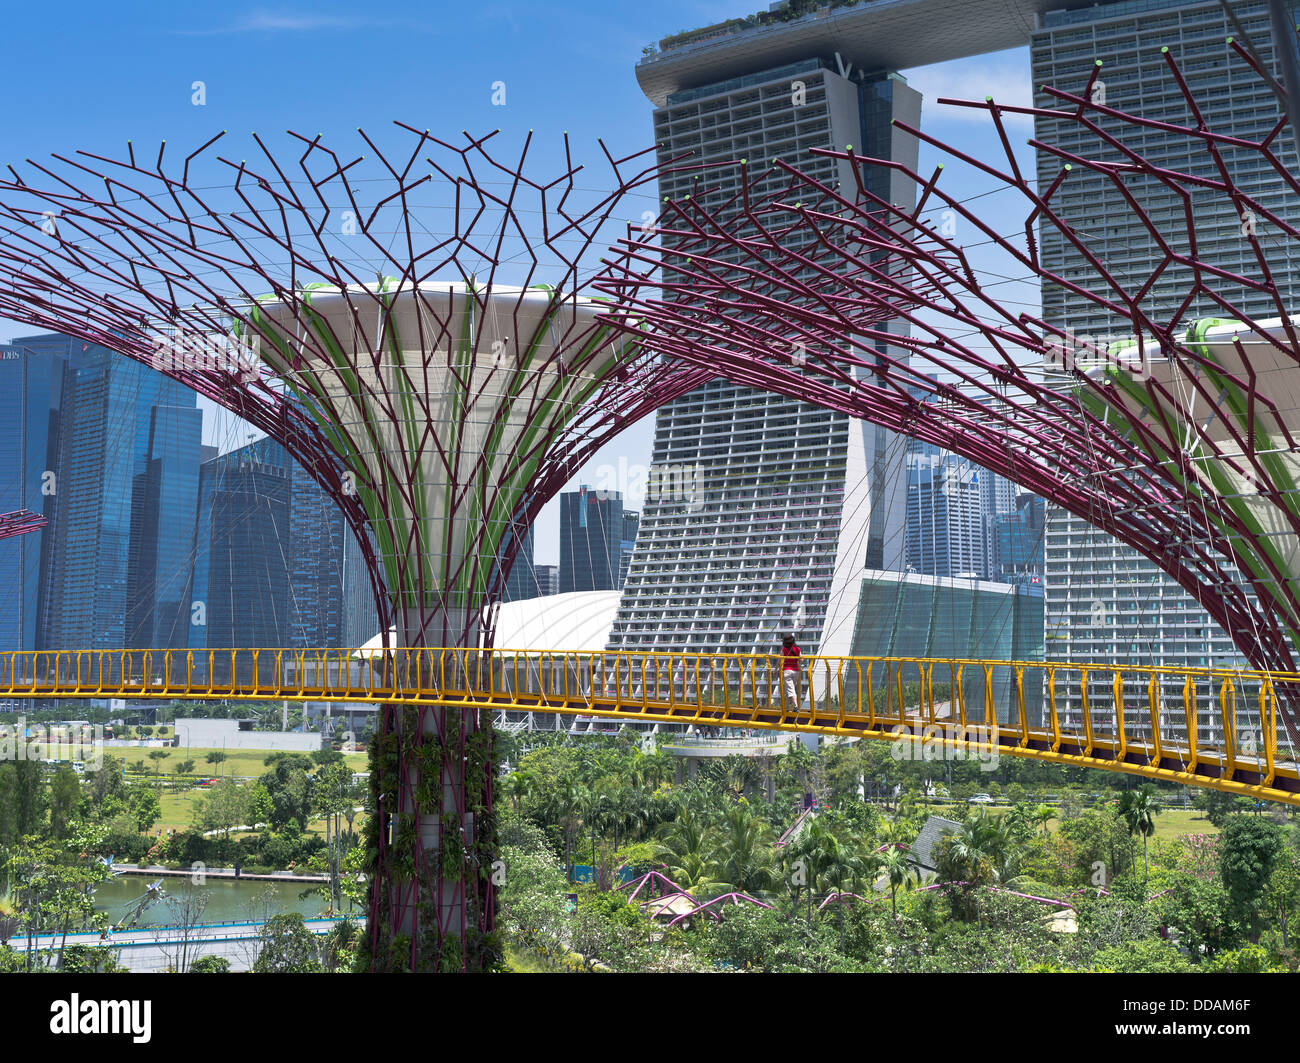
x=226, y=900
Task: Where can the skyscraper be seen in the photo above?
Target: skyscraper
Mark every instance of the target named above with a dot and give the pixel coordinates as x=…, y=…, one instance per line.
x=788, y=504
x=1020, y=541
x=163, y=506
x=119, y=444
x=522, y=581
x=244, y=559
x=591, y=540
x=1105, y=602
x=31, y=387
x=946, y=526
x=548, y=580
x=275, y=564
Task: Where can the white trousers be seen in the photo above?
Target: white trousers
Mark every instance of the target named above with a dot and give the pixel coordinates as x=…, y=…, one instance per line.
x=791, y=679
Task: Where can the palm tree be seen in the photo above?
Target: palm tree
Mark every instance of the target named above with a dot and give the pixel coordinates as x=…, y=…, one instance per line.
x=569, y=800
x=899, y=831
x=517, y=786
x=896, y=862
x=1021, y=819
x=742, y=846
x=686, y=850
x=809, y=855
x=1139, y=810
x=740, y=773
x=658, y=766
x=1043, y=815
x=971, y=856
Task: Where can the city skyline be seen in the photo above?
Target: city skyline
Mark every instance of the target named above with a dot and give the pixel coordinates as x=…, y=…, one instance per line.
x=254, y=64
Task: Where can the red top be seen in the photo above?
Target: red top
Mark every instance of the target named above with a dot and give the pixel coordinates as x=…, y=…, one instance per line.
x=790, y=659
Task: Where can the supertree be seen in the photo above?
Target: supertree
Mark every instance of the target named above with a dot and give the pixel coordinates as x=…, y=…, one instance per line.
x=412, y=329
x=20, y=522
x=1177, y=437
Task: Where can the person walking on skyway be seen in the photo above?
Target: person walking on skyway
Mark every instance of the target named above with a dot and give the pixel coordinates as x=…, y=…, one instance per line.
x=790, y=672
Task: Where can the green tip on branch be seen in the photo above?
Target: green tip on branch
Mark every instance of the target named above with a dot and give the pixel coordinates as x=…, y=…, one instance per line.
x=848, y=147
x=988, y=99
x=1164, y=49
x=1068, y=166
x=1098, y=63
x=1231, y=39
x=743, y=162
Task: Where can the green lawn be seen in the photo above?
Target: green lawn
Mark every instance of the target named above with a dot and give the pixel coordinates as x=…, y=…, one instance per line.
x=1170, y=823
x=239, y=762
x=1173, y=823
x=177, y=809
x=178, y=813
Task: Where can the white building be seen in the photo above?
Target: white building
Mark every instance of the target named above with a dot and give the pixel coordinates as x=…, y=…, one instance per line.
x=788, y=503
x=239, y=734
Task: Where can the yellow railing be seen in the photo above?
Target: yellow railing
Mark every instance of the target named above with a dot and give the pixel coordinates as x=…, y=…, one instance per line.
x=1207, y=727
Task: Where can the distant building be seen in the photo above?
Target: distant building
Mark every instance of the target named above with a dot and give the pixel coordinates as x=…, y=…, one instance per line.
x=946, y=524
x=275, y=564
x=239, y=734
x=548, y=579
x=1107, y=604
x=242, y=575
x=31, y=387
x=776, y=507
x=1020, y=538
x=913, y=615
x=521, y=584
x=591, y=540
x=631, y=522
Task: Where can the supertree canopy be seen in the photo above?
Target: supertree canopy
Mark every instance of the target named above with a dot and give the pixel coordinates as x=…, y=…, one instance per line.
x=412, y=329
x=20, y=522
x=1176, y=434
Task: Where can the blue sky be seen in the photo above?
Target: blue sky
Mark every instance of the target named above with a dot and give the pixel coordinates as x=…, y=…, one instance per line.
x=92, y=76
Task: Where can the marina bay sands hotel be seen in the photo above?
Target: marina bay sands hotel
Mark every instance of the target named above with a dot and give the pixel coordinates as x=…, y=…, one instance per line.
x=804, y=523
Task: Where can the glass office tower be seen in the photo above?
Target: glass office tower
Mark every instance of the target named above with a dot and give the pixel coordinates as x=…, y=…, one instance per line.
x=121, y=451
x=591, y=540
x=275, y=564
x=31, y=387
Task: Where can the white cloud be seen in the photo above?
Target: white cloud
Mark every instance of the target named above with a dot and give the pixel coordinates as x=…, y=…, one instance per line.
x=1006, y=77
x=295, y=22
